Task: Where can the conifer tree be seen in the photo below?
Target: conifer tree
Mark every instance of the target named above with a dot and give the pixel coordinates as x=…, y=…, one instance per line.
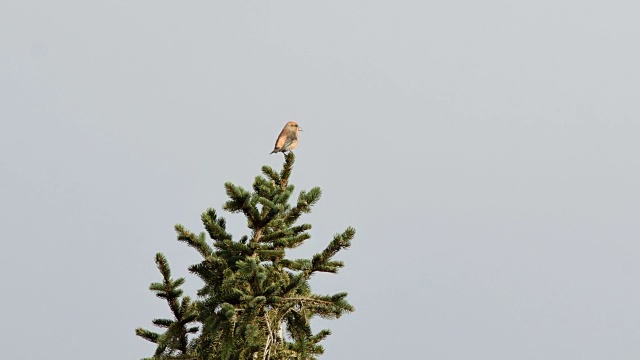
x=256, y=303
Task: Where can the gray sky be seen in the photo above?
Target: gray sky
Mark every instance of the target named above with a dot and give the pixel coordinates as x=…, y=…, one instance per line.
x=486, y=152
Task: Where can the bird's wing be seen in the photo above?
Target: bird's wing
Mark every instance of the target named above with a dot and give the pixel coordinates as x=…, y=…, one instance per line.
x=280, y=141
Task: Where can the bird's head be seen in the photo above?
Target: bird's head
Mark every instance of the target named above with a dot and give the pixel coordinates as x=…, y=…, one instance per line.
x=293, y=126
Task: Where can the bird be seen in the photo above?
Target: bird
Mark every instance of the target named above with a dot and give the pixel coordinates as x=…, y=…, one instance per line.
x=288, y=138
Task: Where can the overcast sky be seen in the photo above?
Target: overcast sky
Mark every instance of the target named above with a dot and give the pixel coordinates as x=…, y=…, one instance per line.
x=486, y=152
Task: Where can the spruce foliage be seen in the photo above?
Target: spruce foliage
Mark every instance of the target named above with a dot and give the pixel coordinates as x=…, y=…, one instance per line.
x=256, y=303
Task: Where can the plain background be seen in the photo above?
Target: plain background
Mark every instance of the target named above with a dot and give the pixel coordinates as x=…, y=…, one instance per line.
x=486, y=152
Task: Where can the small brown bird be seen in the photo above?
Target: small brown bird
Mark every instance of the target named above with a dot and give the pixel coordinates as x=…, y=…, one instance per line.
x=288, y=138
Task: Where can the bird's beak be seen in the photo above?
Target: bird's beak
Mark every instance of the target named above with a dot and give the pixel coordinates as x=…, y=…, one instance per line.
x=299, y=129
